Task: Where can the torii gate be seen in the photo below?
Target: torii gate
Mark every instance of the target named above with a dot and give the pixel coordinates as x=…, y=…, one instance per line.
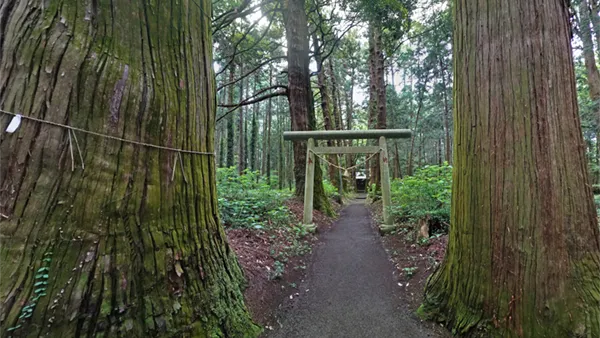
x=380, y=134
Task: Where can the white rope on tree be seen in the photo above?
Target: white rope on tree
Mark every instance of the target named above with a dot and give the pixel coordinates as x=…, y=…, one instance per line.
x=73, y=129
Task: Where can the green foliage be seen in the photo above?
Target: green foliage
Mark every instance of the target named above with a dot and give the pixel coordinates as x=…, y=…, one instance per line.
x=330, y=190
x=278, y=270
x=410, y=271
x=424, y=195
x=597, y=203
x=247, y=201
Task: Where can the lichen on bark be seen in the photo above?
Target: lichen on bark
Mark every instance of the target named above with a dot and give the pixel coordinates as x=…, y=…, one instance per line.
x=132, y=244
x=523, y=256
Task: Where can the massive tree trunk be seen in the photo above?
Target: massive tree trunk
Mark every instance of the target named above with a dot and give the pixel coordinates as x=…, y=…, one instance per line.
x=131, y=245
x=301, y=98
x=523, y=257
x=326, y=107
x=350, y=159
x=377, y=94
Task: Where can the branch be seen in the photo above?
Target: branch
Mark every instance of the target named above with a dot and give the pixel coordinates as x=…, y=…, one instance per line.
x=410, y=38
x=246, y=100
x=249, y=102
x=251, y=72
x=236, y=53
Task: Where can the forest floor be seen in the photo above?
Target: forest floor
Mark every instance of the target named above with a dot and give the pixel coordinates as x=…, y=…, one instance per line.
x=350, y=289
x=414, y=261
x=274, y=262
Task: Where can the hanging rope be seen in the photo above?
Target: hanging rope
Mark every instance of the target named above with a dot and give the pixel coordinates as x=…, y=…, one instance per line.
x=342, y=168
x=73, y=129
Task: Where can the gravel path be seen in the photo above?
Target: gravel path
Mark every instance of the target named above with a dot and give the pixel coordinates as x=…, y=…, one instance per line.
x=352, y=292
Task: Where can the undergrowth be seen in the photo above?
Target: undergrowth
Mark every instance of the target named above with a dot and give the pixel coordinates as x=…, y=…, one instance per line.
x=425, y=196
x=247, y=201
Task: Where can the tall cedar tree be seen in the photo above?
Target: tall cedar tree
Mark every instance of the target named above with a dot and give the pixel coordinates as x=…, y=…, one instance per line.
x=301, y=98
x=524, y=251
x=130, y=245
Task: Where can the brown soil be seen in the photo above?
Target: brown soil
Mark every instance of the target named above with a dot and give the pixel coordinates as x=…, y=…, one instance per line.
x=255, y=250
x=414, y=262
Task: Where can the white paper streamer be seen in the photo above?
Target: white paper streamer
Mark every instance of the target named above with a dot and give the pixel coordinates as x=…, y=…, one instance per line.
x=14, y=124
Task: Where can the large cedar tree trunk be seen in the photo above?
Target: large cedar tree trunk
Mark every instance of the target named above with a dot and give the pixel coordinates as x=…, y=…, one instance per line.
x=301, y=98
x=377, y=94
x=326, y=107
x=524, y=253
x=119, y=248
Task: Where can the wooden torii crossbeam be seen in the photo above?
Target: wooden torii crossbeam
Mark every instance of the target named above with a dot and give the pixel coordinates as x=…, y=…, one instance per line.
x=311, y=136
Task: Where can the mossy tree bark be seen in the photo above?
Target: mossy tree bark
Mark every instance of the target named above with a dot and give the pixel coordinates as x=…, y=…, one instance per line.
x=377, y=94
x=301, y=98
x=130, y=245
x=524, y=252
x=326, y=105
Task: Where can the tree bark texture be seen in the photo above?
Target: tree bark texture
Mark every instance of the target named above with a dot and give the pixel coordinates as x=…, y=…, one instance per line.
x=448, y=137
x=523, y=258
x=132, y=244
x=301, y=98
x=377, y=94
x=230, y=122
x=326, y=107
x=242, y=128
x=593, y=75
x=254, y=131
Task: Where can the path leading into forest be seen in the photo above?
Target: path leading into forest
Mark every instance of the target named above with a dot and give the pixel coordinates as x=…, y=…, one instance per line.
x=352, y=291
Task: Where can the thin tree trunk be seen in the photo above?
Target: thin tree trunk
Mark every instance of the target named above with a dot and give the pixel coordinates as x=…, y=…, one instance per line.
x=523, y=255
x=241, y=128
x=132, y=244
x=409, y=165
x=595, y=19
x=254, y=131
x=398, y=171
x=337, y=111
x=230, y=128
x=268, y=132
x=448, y=139
x=593, y=75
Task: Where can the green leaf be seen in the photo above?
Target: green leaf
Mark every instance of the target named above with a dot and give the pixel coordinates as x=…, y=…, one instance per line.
x=13, y=328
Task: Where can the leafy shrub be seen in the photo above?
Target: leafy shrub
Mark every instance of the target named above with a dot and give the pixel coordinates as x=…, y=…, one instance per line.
x=426, y=195
x=246, y=201
x=330, y=190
